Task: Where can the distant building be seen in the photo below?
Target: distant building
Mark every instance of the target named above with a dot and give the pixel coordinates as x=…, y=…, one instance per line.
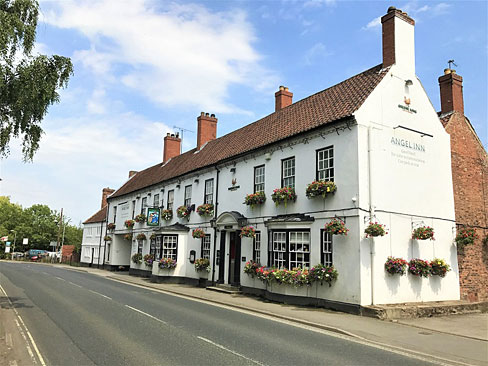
x=93, y=243
x=375, y=135
x=470, y=180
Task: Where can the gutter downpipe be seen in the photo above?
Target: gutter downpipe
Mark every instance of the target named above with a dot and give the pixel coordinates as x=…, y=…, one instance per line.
x=100, y=244
x=104, y=242
x=215, y=227
x=371, y=209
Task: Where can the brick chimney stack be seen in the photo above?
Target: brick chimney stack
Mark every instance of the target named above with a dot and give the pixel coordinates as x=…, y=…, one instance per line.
x=451, y=86
x=398, y=39
x=283, y=98
x=132, y=173
x=207, y=129
x=105, y=193
x=172, y=146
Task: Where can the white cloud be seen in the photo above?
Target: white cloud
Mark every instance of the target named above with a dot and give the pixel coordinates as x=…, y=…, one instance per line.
x=173, y=54
x=374, y=24
x=316, y=53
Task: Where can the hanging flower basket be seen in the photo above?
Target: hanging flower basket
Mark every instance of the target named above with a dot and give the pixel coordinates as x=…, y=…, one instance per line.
x=336, y=227
x=207, y=209
x=107, y=238
x=140, y=218
x=423, y=233
x=202, y=264
x=111, y=226
x=167, y=263
x=137, y=258
x=255, y=199
x=439, y=267
x=141, y=236
x=153, y=236
x=320, y=188
x=248, y=232
x=128, y=236
x=198, y=233
x=419, y=267
x=251, y=267
x=284, y=195
x=375, y=229
x=396, y=266
x=183, y=212
x=167, y=215
x=465, y=236
x=129, y=224
x=149, y=259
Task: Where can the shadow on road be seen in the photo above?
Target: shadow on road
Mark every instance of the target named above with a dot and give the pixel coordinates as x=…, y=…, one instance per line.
x=15, y=302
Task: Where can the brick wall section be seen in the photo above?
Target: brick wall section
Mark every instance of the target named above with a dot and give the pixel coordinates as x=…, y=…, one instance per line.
x=67, y=250
x=470, y=181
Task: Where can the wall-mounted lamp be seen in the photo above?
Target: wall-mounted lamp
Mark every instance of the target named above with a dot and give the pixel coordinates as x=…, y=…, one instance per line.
x=408, y=82
x=138, y=197
x=192, y=256
x=233, y=170
x=354, y=199
x=178, y=186
x=196, y=180
x=267, y=156
x=149, y=194
x=213, y=223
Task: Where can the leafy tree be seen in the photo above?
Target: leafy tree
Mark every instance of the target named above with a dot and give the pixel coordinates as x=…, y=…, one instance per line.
x=28, y=83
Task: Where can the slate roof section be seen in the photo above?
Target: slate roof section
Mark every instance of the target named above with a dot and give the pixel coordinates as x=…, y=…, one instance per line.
x=332, y=104
x=100, y=216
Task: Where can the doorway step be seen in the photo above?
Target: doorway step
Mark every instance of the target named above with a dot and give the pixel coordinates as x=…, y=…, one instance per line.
x=227, y=289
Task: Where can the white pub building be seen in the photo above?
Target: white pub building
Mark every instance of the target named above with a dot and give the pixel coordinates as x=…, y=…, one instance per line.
x=375, y=135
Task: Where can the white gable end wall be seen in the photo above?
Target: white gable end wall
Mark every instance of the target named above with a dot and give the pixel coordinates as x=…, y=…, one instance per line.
x=411, y=186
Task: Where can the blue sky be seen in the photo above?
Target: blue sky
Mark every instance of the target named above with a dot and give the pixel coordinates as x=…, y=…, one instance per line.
x=142, y=67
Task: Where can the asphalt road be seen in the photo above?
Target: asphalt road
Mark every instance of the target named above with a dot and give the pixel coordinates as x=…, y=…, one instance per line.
x=80, y=319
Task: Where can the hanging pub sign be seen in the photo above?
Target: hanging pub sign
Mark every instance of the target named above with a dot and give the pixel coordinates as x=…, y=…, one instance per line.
x=153, y=216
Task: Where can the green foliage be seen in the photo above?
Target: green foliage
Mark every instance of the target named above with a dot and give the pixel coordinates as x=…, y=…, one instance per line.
x=38, y=223
x=28, y=84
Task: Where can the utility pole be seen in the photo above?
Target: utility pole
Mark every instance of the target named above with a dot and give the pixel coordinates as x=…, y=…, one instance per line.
x=59, y=230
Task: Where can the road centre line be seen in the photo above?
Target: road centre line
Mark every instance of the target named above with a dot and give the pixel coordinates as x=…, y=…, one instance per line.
x=21, y=329
x=229, y=350
x=98, y=293
x=59, y=278
x=146, y=314
x=74, y=284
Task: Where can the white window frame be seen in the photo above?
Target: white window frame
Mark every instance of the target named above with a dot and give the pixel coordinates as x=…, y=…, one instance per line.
x=171, y=199
x=326, y=248
x=288, y=172
x=256, y=254
x=325, y=164
x=188, y=190
x=169, y=246
x=259, y=175
x=208, y=195
x=206, y=243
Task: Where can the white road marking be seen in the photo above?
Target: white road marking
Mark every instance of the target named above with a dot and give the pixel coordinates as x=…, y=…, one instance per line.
x=8, y=340
x=21, y=329
x=98, y=293
x=74, y=284
x=59, y=278
x=146, y=314
x=229, y=350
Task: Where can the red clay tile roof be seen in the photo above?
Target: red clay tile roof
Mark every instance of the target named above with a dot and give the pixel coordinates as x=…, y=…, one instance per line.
x=329, y=105
x=100, y=216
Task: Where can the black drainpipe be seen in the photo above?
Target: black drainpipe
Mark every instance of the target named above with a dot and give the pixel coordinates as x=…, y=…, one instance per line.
x=215, y=226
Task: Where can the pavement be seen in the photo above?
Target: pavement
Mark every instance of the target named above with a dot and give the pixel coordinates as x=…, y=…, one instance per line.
x=454, y=339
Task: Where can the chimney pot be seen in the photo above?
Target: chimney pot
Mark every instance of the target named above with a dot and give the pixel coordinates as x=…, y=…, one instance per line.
x=105, y=193
x=451, y=90
x=172, y=146
x=398, y=39
x=207, y=129
x=283, y=98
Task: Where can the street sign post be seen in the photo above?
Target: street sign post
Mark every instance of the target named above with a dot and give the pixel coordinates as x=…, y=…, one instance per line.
x=25, y=241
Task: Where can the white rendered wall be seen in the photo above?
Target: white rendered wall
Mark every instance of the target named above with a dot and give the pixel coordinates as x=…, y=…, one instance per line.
x=411, y=186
